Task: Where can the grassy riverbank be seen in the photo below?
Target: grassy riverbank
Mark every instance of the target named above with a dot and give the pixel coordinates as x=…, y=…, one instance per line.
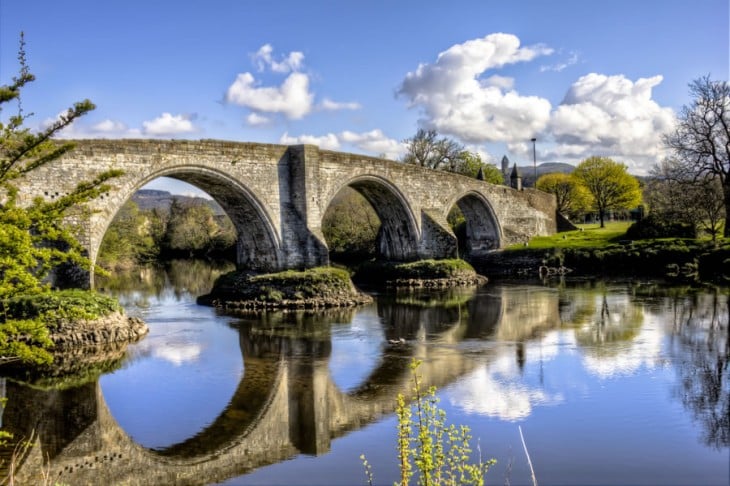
x=607, y=251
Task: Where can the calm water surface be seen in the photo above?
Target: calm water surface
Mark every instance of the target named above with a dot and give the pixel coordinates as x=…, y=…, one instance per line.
x=611, y=383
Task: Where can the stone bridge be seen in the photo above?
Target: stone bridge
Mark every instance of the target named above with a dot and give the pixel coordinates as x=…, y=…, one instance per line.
x=277, y=195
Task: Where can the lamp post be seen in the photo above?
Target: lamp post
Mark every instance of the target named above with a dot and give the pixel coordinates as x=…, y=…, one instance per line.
x=534, y=159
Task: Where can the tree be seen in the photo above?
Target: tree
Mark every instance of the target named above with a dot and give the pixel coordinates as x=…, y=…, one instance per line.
x=427, y=149
x=350, y=226
x=676, y=196
x=191, y=228
x=128, y=240
x=570, y=195
x=34, y=240
x=611, y=187
x=469, y=164
x=701, y=140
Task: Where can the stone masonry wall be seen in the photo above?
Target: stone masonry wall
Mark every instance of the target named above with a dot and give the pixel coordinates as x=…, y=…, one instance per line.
x=276, y=196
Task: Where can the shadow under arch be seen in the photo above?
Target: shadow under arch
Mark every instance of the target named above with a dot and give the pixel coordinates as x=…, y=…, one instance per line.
x=258, y=244
x=482, y=232
x=398, y=237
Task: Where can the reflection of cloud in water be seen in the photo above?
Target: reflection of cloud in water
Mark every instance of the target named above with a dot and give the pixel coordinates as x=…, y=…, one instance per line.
x=497, y=390
x=178, y=354
x=625, y=358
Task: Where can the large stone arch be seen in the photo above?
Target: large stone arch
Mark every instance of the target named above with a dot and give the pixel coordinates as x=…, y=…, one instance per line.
x=483, y=231
x=258, y=242
x=399, y=235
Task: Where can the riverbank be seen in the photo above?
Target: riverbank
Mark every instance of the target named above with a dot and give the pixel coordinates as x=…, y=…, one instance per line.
x=679, y=259
x=73, y=332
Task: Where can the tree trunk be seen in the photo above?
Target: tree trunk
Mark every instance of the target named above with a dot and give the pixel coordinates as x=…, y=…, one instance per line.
x=726, y=195
x=600, y=217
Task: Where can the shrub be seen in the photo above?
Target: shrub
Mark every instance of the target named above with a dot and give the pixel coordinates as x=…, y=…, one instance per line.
x=656, y=226
x=436, y=453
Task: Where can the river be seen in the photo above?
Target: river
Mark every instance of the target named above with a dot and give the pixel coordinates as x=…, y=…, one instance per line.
x=609, y=382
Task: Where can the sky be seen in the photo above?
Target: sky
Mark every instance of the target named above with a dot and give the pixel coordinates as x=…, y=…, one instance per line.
x=582, y=77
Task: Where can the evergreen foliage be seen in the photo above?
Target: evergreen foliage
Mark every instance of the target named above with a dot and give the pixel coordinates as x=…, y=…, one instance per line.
x=34, y=239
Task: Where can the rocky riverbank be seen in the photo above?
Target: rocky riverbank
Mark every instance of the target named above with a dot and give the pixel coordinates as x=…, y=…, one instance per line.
x=112, y=328
x=82, y=350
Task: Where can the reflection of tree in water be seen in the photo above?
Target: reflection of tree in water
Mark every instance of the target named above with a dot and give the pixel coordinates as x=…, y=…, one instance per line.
x=604, y=319
x=701, y=343
x=193, y=277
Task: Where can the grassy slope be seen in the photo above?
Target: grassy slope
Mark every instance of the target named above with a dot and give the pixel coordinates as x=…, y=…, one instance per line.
x=589, y=236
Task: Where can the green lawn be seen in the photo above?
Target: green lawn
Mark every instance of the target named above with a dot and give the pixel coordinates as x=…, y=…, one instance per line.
x=589, y=235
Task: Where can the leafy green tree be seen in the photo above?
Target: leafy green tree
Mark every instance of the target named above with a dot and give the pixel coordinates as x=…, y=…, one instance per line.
x=128, y=240
x=701, y=140
x=469, y=164
x=191, y=228
x=350, y=225
x=611, y=187
x=34, y=240
x=571, y=196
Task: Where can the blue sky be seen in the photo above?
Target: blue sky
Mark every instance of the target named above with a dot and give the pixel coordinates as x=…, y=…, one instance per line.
x=584, y=77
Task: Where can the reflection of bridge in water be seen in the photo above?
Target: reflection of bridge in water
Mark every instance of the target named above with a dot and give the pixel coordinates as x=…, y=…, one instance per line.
x=286, y=403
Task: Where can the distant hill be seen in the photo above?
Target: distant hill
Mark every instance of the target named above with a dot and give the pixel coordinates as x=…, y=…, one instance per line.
x=148, y=199
x=528, y=171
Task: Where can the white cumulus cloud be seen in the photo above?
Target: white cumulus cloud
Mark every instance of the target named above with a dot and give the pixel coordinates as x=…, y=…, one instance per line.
x=264, y=58
x=256, y=120
x=328, y=141
x=292, y=98
x=614, y=116
x=329, y=105
x=374, y=142
x=168, y=124
x=455, y=99
x=109, y=126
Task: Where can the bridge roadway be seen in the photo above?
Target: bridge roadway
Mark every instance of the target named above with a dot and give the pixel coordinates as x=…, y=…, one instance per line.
x=277, y=195
x=286, y=403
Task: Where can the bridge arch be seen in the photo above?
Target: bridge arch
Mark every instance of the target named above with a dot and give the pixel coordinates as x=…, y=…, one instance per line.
x=482, y=232
x=399, y=235
x=258, y=245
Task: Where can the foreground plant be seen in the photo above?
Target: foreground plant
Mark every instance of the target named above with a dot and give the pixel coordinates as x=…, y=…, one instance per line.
x=435, y=453
x=35, y=240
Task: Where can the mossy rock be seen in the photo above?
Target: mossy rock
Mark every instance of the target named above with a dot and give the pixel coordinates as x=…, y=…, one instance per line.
x=419, y=274
x=319, y=287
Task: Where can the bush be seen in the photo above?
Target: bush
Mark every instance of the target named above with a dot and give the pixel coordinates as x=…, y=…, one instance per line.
x=656, y=226
x=60, y=305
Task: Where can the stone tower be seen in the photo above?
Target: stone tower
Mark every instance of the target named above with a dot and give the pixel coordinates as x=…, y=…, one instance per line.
x=505, y=169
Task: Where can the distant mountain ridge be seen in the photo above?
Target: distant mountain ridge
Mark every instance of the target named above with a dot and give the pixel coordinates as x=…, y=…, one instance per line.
x=528, y=171
x=148, y=199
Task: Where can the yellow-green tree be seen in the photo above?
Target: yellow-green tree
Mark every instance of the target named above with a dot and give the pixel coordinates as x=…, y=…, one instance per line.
x=610, y=185
x=34, y=240
x=570, y=195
